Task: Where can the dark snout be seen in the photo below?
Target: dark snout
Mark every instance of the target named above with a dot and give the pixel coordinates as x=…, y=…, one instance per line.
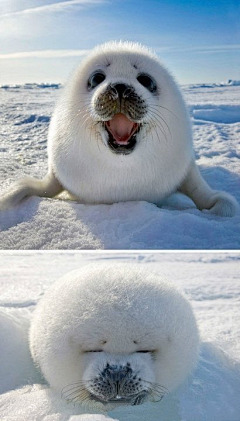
x=117, y=373
x=117, y=383
x=121, y=91
x=120, y=98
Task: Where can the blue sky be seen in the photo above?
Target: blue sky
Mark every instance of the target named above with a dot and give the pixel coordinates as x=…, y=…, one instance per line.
x=43, y=40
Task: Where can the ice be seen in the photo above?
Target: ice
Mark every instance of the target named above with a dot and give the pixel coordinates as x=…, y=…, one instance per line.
x=224, y=114
x=18, y=368
x=231, y=82
x=38, y=403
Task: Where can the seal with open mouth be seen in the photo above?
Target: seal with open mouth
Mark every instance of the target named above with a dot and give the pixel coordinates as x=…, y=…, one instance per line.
x=121, y=132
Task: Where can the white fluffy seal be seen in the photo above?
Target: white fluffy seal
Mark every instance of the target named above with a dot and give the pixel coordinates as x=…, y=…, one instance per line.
x=112, y=334
x=121, y=132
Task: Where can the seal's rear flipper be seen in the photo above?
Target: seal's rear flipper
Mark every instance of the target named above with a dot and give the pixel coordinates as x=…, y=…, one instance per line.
x=216, y=202
x=49, y=186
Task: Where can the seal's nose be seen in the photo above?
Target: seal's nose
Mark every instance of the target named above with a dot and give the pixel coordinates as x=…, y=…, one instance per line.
x=122, y=90
x=119, y=383
x=116, y=374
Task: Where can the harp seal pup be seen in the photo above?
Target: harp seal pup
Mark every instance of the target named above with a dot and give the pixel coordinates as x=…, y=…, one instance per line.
x=121, y=132
x=113, y=334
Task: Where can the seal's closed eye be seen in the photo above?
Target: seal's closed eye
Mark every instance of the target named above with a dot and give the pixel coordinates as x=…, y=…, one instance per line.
x=94, y=350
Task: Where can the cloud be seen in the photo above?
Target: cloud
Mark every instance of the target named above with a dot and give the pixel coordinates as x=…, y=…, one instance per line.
x=44, y=54
x=79, y=53
x=206, y=49
x=53, y=7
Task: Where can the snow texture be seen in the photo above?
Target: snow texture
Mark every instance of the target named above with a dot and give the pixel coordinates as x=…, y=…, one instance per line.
x=60, y=224
x=211, y=283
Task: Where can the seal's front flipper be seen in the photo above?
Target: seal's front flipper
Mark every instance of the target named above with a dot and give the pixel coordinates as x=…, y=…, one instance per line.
x=217, y=202
x=49, y=186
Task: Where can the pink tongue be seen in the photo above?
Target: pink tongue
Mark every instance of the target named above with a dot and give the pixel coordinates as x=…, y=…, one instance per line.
x=121, y=128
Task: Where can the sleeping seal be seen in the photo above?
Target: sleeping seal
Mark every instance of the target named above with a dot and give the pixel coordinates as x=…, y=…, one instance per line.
x=113, y=334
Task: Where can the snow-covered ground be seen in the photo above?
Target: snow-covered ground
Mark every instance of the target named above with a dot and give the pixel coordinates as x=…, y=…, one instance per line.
x=209, y=280
x=54, y=224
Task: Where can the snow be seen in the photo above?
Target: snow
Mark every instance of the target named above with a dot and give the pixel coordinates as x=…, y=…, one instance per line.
x=209, y=280
x=64, y=224
x=227, y=114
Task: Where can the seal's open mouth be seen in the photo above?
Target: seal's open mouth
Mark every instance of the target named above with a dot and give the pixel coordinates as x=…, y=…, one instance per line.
x=122, y=134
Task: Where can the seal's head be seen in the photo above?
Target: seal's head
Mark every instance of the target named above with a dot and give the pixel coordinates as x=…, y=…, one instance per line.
x=107, y=335
x=123, y=92
x=120, y=130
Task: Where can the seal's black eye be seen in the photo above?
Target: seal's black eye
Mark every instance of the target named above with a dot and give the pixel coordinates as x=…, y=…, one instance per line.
x=96, y=79
x=147, y=82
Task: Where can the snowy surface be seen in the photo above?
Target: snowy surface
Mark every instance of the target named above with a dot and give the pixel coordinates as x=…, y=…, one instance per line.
x=211, y=283
x=56, y=224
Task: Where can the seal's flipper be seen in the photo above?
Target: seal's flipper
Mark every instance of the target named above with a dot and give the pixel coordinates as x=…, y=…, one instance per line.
x=217, y=202
x=49, y=186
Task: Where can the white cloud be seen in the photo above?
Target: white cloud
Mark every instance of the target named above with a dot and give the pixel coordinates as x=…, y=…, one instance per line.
x=53, y=7
x=205, y=49
x=82, y=52
x=44, y=54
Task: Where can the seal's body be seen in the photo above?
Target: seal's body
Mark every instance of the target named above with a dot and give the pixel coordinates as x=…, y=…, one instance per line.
x=109, y=334
x=121, y=132
x=80, y=152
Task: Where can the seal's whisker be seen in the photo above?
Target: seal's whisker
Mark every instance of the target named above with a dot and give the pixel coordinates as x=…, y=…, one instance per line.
x=157, y=106
x=67, y=396
x=162, y=120
x=87, y=119
x=159, y=115
x=70, y=389
x=78, y=394
x=80, y=398
x=73, y=385
x=155, y=130
x=156, y=123
x=157, y=385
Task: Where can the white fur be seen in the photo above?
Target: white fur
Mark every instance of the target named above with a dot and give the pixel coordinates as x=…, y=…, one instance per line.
x=163, y=160
x=87, y=167
x=107, y=307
